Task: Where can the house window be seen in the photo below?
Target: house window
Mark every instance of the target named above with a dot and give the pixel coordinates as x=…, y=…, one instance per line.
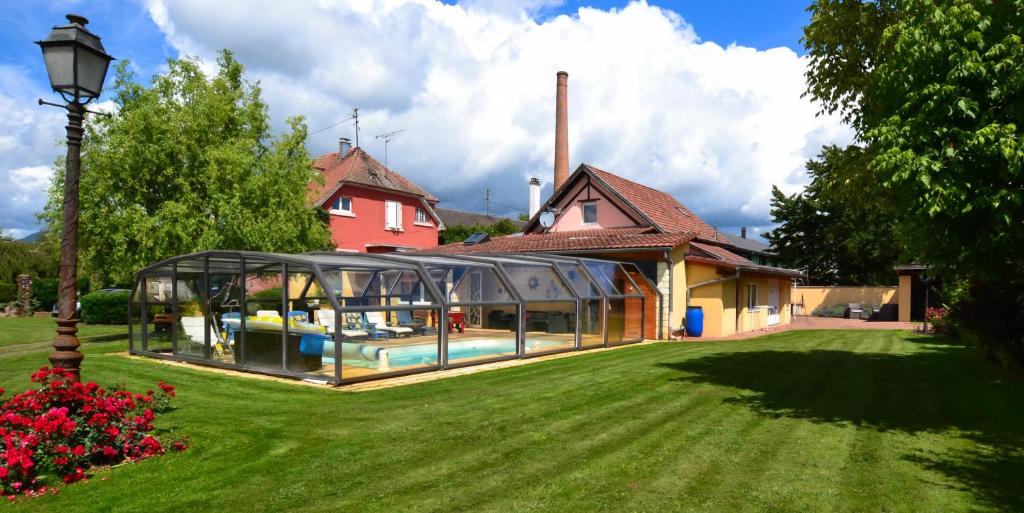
x=393, y=215
x=751, y=295
x=342, y=205
x=590, y=212
x=422, y=217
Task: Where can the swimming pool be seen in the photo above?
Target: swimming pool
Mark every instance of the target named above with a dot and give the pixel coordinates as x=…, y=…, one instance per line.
x=426, y=354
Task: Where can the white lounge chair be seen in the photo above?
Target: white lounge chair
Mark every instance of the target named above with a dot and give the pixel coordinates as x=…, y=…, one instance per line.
x=193, y=327
x=377, y=320
x=326, y=319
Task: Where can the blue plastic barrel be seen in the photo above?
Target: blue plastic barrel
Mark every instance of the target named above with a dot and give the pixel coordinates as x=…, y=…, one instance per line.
x=694, y=321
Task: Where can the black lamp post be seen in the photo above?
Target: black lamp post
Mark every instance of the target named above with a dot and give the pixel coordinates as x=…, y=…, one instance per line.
x=77, y=66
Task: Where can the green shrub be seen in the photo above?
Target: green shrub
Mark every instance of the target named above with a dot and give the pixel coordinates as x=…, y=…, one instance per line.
x=105, y=307
x=830, y=311
x=8, y=292
x=44, y=290
x=258, y=300
x=272, y=294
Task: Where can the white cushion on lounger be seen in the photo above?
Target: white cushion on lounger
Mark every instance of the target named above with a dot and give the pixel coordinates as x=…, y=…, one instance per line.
x=326, y=319
x=377, y=320
x=193, y=327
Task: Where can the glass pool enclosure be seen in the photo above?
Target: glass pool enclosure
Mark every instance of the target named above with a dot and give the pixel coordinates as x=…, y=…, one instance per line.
x=346, y=317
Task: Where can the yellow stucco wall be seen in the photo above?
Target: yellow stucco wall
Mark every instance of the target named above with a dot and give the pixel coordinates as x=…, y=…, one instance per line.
x=787, y=301
x=679, y=284
x=729, y=308
x=906, y=281
x=757, y=319
x=708, y=297
x=819, y=297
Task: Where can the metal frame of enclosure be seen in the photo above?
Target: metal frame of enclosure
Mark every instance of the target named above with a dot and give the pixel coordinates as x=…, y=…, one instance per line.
x=344, y=317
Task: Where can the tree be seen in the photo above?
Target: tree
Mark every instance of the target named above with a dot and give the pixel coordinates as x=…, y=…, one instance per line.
x=189, y=164
x=952, y=144
x=935, y=91
x=832, y=231
x=459, y=232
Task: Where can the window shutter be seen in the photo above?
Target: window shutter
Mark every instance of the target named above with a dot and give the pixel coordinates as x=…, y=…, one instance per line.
x=393, y=217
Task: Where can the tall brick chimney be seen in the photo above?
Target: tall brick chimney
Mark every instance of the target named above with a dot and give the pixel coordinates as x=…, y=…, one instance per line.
x=561, y=129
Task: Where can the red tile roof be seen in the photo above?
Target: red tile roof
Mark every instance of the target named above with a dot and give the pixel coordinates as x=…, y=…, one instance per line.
x=717, y=255
x=359, y=168
x=720, y=253
x=609, y=238
x=666, y=212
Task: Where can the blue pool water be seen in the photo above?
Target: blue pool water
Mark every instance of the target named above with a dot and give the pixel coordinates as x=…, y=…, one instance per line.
x=426, y=354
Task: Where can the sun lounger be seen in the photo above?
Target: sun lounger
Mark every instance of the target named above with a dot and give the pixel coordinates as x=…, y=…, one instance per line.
x=376, y=319
x=326, y=319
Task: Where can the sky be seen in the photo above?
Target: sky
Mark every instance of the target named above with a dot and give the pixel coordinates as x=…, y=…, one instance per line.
x=700, y=99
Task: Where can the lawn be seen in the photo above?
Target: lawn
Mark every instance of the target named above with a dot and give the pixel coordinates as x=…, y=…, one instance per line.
x=798, y=421
x=26, y=330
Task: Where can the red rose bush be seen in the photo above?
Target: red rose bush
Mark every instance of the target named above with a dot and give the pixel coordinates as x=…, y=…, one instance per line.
x=55, y=433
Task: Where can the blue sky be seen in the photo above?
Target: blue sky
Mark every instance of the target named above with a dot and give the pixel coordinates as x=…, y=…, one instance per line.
x=725, y=88
x=759, y=24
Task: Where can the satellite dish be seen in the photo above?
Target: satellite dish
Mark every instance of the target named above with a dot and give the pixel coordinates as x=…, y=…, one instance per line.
x=547, y=219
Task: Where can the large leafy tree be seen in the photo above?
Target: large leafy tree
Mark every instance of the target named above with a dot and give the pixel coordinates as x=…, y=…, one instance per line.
x=951, y=146
x=935, y=91
x=833, y=231
x=189, y=164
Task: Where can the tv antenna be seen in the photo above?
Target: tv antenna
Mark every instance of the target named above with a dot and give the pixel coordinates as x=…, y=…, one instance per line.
x=487, y=201
x=387, y=136
x=355, y=116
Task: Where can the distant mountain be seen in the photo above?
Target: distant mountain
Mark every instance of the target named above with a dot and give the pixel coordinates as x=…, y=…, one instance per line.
x=32, y=237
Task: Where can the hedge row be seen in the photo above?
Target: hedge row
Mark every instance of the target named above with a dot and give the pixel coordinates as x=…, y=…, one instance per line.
x=105, y=307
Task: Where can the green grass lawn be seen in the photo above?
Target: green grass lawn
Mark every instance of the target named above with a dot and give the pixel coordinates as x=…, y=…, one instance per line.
x=26, y=330
x=798, y=421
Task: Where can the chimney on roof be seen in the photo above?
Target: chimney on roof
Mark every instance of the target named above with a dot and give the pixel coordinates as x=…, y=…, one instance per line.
x=561, y=129
x=534, y=196
x=743, y=232
x=344, y=144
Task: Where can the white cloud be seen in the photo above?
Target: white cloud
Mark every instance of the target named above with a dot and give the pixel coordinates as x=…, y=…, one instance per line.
x=473, y=87
x=28, y=146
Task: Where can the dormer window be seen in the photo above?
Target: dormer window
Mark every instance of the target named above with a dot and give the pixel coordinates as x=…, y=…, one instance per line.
x=342, y=206
x=589, y=212
x=422, y=218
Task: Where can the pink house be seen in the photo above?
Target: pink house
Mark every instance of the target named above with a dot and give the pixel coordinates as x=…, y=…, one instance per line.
x=372, y=209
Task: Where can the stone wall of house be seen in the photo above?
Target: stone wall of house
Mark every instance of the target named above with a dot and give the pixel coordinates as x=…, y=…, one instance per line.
x=663, y=308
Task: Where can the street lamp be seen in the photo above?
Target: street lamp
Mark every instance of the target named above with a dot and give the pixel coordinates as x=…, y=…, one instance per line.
x=77, y=64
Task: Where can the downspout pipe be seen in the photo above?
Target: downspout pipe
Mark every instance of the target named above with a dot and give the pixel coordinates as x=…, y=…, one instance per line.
x=736, y=277
x=689, y=288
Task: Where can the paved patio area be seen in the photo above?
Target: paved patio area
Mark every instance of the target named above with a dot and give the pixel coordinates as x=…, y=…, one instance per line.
x=820, y=323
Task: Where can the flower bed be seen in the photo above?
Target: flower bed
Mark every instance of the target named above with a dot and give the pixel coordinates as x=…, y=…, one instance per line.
x=55, y=433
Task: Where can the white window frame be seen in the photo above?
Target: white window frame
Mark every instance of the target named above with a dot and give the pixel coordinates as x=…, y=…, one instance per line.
x=752, y=293
x=341, y=211
x=396, y=206
x=583, y=212
x=421, y=213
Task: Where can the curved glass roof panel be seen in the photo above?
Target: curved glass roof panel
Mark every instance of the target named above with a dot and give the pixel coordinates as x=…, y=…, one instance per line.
x=578, y=280
x=537, y=282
